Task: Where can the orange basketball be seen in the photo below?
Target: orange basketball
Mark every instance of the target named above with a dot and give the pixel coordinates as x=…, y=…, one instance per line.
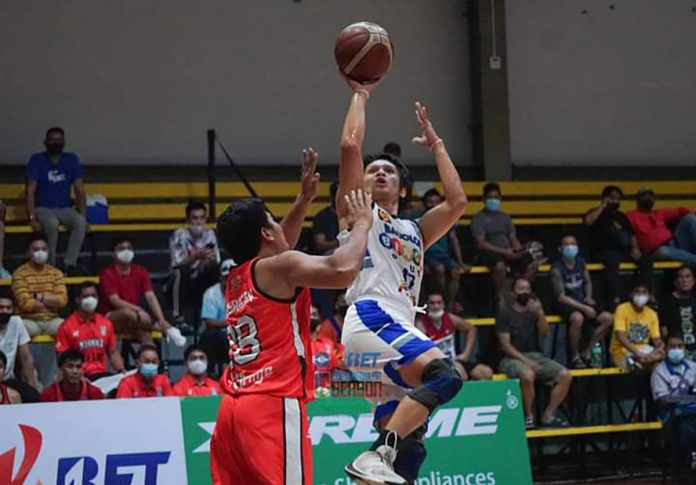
x=364, y=52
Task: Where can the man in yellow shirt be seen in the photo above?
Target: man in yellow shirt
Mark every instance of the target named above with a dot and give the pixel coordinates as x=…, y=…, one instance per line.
x=636, y=342
x=39, y=289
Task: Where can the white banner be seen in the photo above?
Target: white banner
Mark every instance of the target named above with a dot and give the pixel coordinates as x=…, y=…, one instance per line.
x=113, y=442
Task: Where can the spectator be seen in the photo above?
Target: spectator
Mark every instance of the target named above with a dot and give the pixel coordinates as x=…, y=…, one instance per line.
x=194, y=259
x=124, y=285
x=147, y=382
x=672, y=383
x=327, y=354
x=443, y=259
x=196, y=381
x=636, y=326
x=325, y=226
x=91, y=333
x=14, y=343
x=7, y=394
x=39, y=289
x=678, y=310
x=496, y=240
x=71, y=384
x=440, y=326
x=332, y=326
x=3, y=272
x=655, y=238
x=519, y=325
x=573, y=289
x=49, y=177
x=214, y=339
x=612, y=241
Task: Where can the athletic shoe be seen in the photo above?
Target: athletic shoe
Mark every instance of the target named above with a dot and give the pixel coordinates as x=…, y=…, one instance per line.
x=375, y=467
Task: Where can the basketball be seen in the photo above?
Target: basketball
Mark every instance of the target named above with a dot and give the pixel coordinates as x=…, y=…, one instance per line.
x=364, y=52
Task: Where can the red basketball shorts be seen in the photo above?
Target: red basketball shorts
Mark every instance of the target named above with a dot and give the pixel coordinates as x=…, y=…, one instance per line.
x=261, y=439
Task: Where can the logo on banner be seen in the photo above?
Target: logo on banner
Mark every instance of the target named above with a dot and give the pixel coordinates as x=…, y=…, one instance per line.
x=32, y=446
x=69, y=468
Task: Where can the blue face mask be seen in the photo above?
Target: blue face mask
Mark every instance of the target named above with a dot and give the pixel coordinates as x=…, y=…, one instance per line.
x=148, y=370
x=492, y=204
x=675, y=356
x=569, y=252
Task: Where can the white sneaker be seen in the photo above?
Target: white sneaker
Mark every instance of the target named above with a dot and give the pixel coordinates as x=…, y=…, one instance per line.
x=375, y=467
x=174, y=336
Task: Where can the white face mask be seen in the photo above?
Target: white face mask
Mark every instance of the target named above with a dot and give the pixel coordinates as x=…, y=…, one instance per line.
x=125, y=255
x=436, y=314
x=197, y=367
x=89, y=304
x=640, y=300
x=40, y=256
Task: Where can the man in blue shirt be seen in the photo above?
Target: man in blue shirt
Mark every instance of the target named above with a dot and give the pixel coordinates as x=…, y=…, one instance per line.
x=214, y=338
x=49, y=177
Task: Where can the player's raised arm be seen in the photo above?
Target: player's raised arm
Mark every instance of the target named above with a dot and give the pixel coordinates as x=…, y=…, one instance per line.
x=436, y=222
x=350, y=170
x=292, y=222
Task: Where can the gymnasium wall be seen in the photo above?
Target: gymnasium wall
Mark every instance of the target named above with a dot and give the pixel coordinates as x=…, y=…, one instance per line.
x=136, y=82
x=598, y=82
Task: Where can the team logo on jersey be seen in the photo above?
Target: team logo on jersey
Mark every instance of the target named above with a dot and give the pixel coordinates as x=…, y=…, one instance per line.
x=383, y=216
x=102, y=329
x=321, y=360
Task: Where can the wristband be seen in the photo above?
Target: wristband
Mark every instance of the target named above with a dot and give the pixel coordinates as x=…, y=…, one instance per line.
x=363, y=91
x=436, y=143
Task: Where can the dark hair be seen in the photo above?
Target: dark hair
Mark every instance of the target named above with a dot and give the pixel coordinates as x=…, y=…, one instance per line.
x=434, y=293
x=84, y=285
x=606, y=191
x=675, y=334
x=640, y=284
x=145, y=348
x=490, y=187
x=3, y=358
x=116, y=240
x=195, y=205
x=682, y=268
x=192, y=348
x=70, y=354
x=404, y=176
x=54, y=129
x=239, y=228
x=429, y=193
x=392, y=148
x=6, y=294
x=36, y=236
x=644, y=191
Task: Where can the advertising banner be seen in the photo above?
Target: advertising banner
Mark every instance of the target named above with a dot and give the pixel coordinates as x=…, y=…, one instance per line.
x=125, y=442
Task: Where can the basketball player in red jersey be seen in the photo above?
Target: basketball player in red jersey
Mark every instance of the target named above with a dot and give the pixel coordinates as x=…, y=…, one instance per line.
x=262, y=431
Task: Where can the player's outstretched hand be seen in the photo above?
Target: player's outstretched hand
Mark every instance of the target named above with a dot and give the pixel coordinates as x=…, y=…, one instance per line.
x=428, y=136
x=310, y=176
x=358, y=86
x=359, y=205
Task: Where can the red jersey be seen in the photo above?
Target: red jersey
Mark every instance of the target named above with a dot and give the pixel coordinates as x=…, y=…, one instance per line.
x=270, y=350
x=4, y=395
x=651, y=228
x=135, y=386
x=92, y=337
x=55, y=393
x=188, y=386
x=442, y=336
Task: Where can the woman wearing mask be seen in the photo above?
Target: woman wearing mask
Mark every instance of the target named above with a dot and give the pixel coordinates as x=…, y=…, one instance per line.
x=147, y=382
x=196, y=381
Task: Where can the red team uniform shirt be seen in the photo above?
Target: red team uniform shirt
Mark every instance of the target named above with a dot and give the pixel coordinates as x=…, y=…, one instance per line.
x=92, y=337
x=134, y=386
x=188, y=386
x=267, y=384
x=443, y=337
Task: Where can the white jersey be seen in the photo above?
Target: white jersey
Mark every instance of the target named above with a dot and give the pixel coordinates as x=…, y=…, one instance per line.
x=392, y=270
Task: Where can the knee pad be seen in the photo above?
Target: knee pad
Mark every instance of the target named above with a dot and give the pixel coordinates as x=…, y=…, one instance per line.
x=440, y=383
x=411, y=455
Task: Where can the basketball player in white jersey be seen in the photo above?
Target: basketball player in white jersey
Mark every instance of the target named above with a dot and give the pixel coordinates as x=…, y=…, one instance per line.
x=379, y=330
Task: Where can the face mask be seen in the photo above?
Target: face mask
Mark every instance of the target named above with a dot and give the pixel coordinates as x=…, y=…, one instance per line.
x=148, y=370
x=569, y=252
x=40, y=256
x=196, y=230
x=492, y=204
x=125, y=256
x=640, y=300
x=435, y=314
x=4, y=318
x=523, y=298
x=675, y=356
x=646, y=204
x=89, y=304
x=197, y=367
x=55, y=148
x=613, y=206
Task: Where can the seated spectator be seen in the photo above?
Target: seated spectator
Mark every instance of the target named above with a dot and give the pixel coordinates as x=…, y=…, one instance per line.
x=672, y=383
x=14, y=343
x=124, y=285
x=194, y=257
x=573, y=289
x=91, y=333
x=443, y=259
x=678, y=310
x=332, y=326
x=3, y=272
x=327, y=354
x=519, y=325
x=440, y=326
x=49, y=177
x=147, y=382
x=325, y=225
x=71, y=384
x=496, y=240
x=39, y=289
x=636, y=327
x=655, y=238
x=7, y=394
x=612, y=241
x=196, y=381
x=214, y=339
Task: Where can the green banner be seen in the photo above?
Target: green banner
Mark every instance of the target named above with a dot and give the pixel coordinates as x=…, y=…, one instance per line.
x=477, y=439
